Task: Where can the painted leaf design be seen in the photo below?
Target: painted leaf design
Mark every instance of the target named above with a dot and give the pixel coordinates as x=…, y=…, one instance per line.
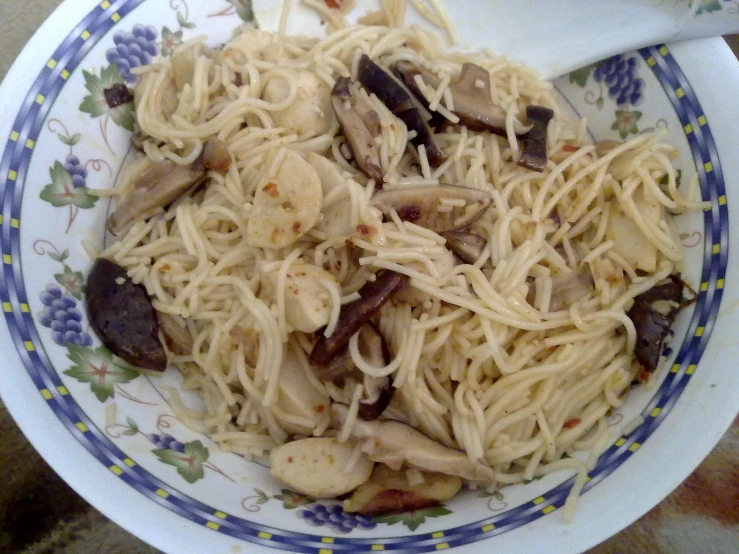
x=61, y=191
x=70, y=141
x=580, y=76
x=170, y=40
x=263, y=498
x=98, y=368
x=72, y=281
x=708, y=6
x=626, y=123
x=133, y=427
x=244, y=9
x=291, y=500
x=189, y=463
x=413, y=520
x=59, y=257
x=95, y=104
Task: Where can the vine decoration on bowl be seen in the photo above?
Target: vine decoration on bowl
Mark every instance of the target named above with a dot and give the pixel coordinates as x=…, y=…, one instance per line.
x=68, y=185
x=242, y=8
x=617, y=80
x=62, y=315
x=711, y=6
x=191, y=458
x=332, y=514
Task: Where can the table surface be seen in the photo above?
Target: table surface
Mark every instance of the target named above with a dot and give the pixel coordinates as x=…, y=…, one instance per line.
x=701, y=515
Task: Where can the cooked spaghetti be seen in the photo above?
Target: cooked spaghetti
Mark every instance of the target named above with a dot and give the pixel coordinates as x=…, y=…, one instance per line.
x=486, y=356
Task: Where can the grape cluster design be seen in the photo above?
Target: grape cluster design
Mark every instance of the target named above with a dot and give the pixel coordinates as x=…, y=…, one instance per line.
x=61, y=315
x=133, y=49
x=167, y=442
x=335, y=518
x=76, y=170
x=619, y=75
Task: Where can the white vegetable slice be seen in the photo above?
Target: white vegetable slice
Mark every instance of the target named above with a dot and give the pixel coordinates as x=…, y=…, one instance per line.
x=630, y=242
x=310, y=115
x=316, y=467
x=286, y=206
x=307, y=302
x=298, y=397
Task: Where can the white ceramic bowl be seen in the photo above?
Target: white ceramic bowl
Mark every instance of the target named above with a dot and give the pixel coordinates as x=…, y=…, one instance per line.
x=109, y=432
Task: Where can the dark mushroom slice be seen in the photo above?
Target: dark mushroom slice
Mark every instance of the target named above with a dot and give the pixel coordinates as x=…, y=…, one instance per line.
x=389, y=492
x=216, y=156
x=122, y=316
x=355, y=315
x=472, y=96
x=465, y=245
x=420, y=205
x=568, y=288
x=398, y=101
x=534, y=155
x=117, y=95
x=653, y=312
x=158, y=187
x=360, y=139
x=406, y=71
x=374, y=349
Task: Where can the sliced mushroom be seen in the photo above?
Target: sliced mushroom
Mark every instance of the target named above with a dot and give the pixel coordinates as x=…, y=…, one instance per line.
x=568, y=288
x=354, y=315
x=534, y=155
x=389, y=491
x=604, y=147
x=216, y=156
x=316, y=466
x=472, y=96
x=398, y=101
x=406, y=71
x=359, y=137
x=177, y=337
x=397, y=444
x=159, y=186
x=379, y=390
x=421, y=205
x=653, y=313
x=469, y=247
x=122, y=316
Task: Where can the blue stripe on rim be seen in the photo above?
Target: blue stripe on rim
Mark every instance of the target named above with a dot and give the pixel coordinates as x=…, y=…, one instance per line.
x=17, y=156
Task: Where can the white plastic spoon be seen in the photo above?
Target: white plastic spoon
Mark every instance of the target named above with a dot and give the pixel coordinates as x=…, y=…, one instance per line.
x=553, y=36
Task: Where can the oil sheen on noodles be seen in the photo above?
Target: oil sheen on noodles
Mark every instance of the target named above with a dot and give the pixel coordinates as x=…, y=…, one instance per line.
x=480, y=362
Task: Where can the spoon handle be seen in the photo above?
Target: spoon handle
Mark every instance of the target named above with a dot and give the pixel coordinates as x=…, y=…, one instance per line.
x=558, y=37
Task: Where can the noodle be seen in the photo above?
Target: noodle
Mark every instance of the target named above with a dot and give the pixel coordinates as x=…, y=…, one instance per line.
x=479, y=361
